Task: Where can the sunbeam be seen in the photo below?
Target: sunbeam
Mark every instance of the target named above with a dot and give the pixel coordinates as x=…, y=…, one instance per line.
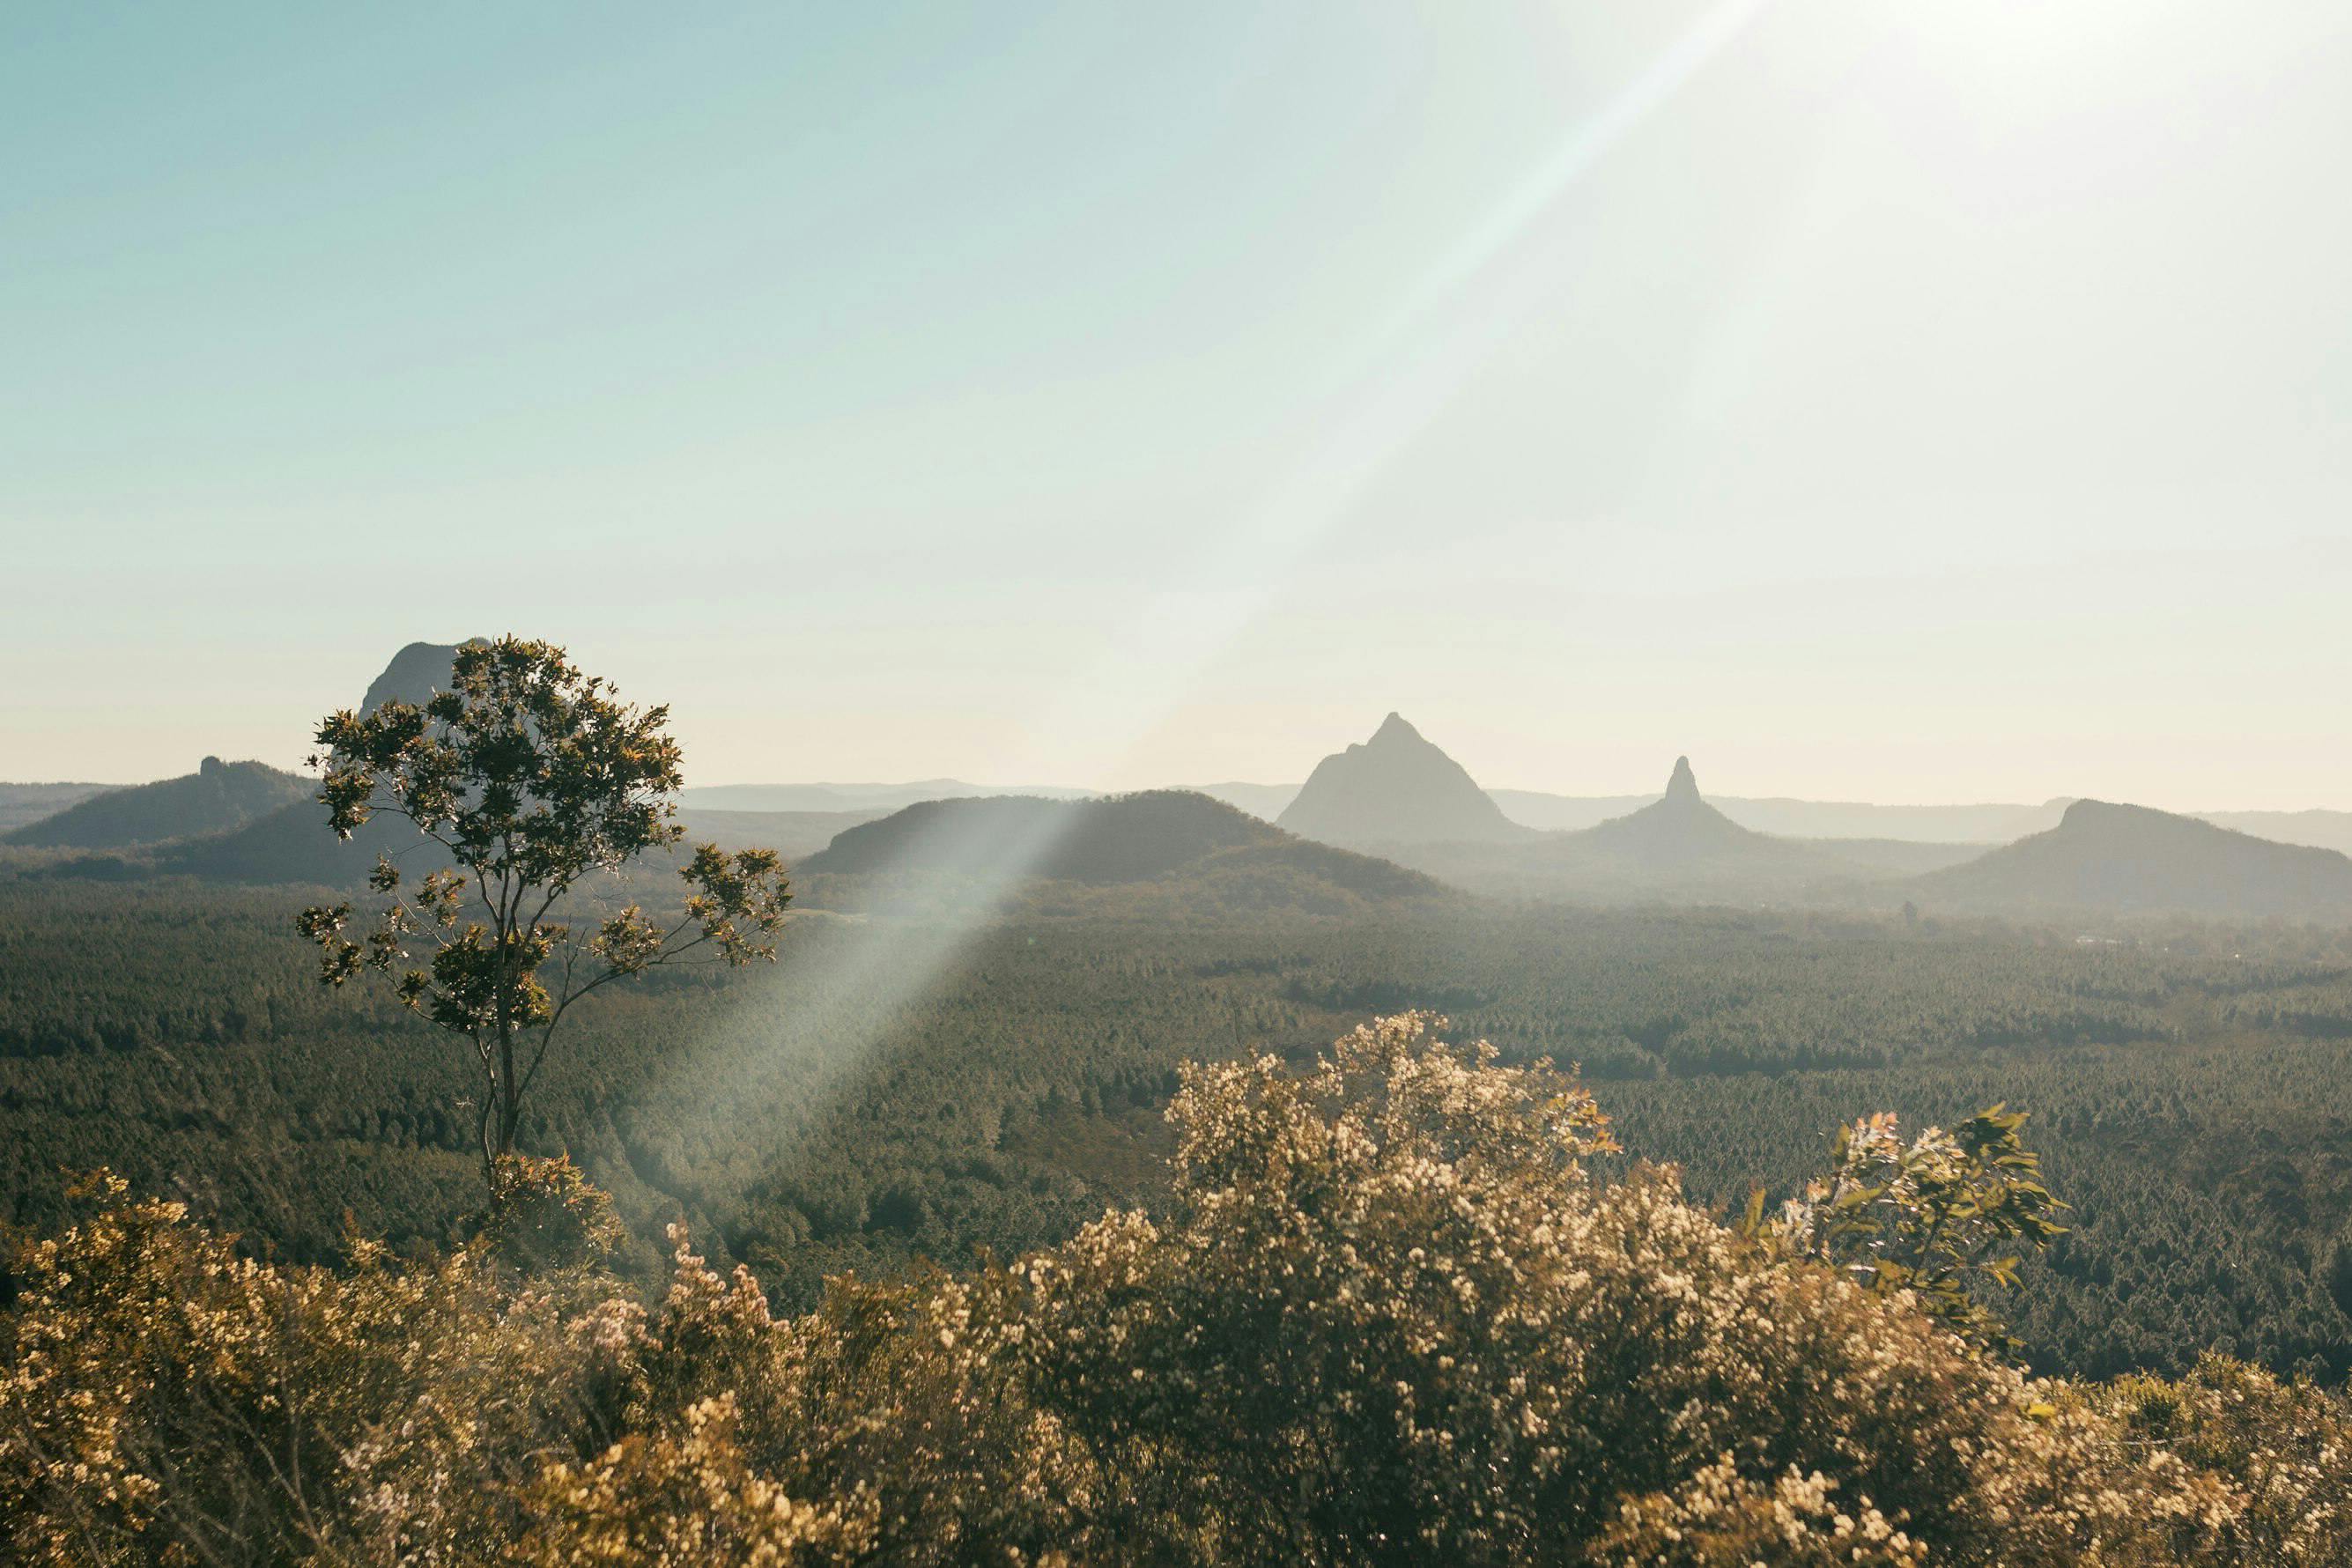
x=1387, y=391
x=1394, y=385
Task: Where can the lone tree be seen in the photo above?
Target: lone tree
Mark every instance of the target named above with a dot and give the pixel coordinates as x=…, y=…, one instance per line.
x=530, y=776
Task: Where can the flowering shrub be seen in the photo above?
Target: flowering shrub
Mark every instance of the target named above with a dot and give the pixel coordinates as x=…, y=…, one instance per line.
x=1385, y=1316
x=167, y=1400
x=2279, y=1449
x=679, y=1498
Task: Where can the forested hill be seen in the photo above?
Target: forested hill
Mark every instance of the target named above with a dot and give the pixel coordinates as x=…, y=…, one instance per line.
x=293, y=844
x=2132, y=859
x=1157, y=835
x=215, y=798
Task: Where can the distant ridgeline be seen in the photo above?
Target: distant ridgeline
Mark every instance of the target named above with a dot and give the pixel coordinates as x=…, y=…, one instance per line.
x=218, y=797
x=236, y=822
x=1392, y=817
x=21, y=803
x=1402, y=797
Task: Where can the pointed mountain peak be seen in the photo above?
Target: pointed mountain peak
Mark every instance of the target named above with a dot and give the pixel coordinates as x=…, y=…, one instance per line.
x=1396, y=788
x=1684, y=785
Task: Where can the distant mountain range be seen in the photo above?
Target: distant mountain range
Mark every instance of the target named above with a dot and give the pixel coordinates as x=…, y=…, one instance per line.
x=215, y=798
x=794, y=835
x=289, y=845
x=1400, y=794
x=292, y=845
x=1985, y=824
x=1264, y=801
x=2316, y=829
x=1393, y=816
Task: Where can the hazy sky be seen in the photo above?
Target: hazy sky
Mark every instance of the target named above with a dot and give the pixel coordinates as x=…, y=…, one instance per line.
x=1906, y=400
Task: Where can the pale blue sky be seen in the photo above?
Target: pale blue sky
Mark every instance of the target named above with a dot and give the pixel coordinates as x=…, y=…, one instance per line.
x=1937, y=400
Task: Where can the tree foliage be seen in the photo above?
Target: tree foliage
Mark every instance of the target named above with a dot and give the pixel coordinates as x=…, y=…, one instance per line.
x=1942, y=1217
x=530, y=777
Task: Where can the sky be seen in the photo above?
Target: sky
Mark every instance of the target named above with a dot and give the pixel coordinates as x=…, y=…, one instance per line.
x=1936, y=401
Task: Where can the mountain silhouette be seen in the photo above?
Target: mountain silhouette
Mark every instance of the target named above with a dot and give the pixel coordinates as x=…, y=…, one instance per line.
x=414, y=673
x=1395, y=789
x=2134, y=858
x=1004, y=841
x=1679, y=847
x=217, y=798
x=1680, y=830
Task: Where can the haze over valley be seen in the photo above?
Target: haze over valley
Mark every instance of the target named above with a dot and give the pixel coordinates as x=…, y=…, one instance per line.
x=1395, y=798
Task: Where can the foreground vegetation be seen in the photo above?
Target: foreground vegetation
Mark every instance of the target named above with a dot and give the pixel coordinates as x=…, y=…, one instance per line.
x=896, y=1090
x=1384, y=1314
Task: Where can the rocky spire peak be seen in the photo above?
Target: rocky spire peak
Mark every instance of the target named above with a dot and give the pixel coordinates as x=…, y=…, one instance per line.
x=1395, y=728
x=414, y=673
x=1684, y=785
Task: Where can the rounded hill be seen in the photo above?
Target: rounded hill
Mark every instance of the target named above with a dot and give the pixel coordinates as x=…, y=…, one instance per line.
x=1154, y=835
x=2129, y=859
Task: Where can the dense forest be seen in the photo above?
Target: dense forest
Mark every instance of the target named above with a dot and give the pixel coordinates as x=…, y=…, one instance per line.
x=900, y=1087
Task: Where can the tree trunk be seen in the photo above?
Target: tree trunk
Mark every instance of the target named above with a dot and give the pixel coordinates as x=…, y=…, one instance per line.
x=483, y=1134
x=507, y=1110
